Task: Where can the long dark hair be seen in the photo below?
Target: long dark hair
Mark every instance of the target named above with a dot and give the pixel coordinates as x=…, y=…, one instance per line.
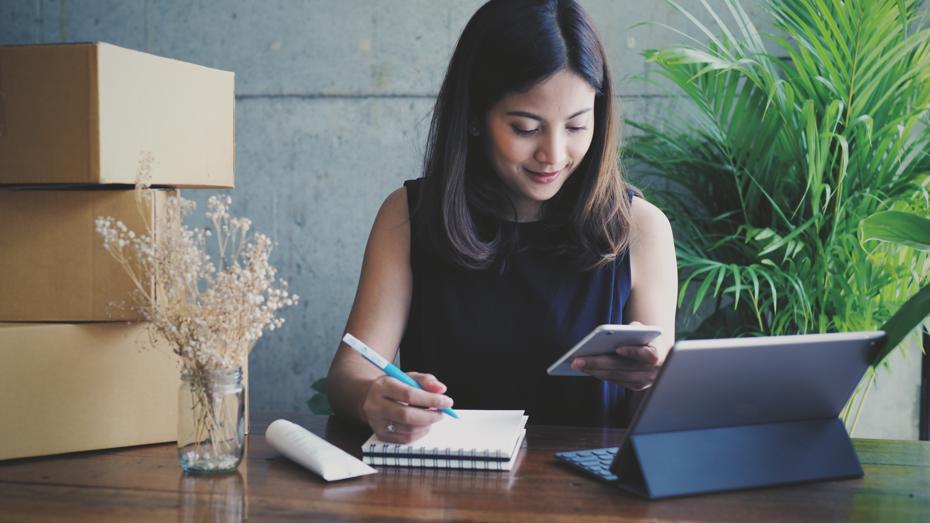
x=508, y=46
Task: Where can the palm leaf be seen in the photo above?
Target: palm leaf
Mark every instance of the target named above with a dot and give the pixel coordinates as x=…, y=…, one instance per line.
x=899, y=227
x=780, y=159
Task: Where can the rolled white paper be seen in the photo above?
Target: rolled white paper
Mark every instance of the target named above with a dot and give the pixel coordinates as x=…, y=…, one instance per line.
x=314, y=452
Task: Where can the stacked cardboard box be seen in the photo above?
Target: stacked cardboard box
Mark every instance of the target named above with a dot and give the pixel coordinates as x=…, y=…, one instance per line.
x=75, y=120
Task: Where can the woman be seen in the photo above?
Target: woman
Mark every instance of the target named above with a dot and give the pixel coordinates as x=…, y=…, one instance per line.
x=519, y=239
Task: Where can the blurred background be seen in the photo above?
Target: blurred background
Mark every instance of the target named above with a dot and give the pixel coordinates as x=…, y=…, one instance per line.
x=333, y=100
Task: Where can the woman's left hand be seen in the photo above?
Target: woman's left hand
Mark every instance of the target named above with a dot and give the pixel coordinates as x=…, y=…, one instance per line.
x=635, y=367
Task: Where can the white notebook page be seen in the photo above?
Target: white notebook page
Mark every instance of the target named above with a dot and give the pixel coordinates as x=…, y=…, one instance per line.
x=483, y=432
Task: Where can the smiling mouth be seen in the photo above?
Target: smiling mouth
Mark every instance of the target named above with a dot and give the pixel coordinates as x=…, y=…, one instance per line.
x=543, y=176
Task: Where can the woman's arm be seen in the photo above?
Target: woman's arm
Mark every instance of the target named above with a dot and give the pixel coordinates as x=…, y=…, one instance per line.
x=652, y=301
x=357, y=390
x=654, y=274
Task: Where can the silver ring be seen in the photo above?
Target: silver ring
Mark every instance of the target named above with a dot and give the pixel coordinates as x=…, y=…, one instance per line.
x=390, y=427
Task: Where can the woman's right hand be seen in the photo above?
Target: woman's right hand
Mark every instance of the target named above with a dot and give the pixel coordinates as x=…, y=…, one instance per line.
x=398, y=413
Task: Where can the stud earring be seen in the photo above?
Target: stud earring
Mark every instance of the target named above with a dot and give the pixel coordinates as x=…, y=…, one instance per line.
x=473, y=126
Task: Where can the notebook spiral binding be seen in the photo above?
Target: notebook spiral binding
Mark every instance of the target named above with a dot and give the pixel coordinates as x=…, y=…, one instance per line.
x=389, y=454
x=394, y=450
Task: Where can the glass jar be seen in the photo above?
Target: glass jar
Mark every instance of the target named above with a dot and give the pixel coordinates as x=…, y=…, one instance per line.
x=211, y=421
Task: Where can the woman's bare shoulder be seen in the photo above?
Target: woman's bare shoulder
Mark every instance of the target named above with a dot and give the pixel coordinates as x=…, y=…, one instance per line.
x=647, y=222
x=395, y=204
x=393, y=219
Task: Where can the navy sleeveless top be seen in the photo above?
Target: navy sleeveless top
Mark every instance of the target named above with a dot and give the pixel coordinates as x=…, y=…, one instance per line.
x=490, y=335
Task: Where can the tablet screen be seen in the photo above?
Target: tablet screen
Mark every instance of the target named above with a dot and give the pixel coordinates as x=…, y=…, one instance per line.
x=743, y=381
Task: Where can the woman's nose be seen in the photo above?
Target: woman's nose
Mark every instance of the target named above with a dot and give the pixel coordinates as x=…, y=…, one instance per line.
x=551, y=150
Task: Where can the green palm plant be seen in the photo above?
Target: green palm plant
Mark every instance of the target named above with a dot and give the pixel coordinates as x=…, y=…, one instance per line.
x=912, y=231
x=782, y=157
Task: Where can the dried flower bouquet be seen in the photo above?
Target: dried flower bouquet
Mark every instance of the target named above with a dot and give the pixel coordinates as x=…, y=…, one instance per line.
x=211, y=314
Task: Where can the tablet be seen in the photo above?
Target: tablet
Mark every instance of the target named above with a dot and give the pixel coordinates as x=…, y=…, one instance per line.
x=748, y=381
x=736, y=413
x=603, y=340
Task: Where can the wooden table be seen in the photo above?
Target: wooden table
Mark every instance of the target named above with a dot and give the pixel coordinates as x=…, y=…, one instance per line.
x=146, y=484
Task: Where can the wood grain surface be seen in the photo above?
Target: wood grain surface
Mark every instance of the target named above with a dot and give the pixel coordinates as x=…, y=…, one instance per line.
x=146, y=484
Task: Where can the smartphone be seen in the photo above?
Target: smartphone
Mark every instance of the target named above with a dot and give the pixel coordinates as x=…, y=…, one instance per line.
x=603, y=340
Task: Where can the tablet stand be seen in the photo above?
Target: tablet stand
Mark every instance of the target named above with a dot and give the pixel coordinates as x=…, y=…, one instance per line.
x=666, y=464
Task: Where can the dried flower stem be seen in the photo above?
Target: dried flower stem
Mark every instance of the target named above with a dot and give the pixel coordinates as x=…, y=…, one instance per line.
x=211, y=315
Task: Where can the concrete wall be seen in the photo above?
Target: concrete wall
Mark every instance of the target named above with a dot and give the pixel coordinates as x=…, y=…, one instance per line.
x=333, y=102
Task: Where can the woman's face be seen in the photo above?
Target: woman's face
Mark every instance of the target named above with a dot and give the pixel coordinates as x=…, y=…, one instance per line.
x=536, y=139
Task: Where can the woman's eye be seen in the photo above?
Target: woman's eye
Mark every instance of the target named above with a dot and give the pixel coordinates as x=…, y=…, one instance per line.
x=576, y=129
x=524, y=132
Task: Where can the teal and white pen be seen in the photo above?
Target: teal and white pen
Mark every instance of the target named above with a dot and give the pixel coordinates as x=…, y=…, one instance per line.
x=389, y=368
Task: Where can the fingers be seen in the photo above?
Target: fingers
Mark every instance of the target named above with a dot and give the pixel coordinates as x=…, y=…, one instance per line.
x=635, y=380
x=398, y=392
x=399, y=413
x=395, y=392
x=591, y=364
x=641, y=353
x=395, y=432
x=634, y=367
x=407, y=415
x=428, y=382
x=633, y=357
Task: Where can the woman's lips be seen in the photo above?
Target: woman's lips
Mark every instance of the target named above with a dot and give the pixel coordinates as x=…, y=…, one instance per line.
x=543, y=177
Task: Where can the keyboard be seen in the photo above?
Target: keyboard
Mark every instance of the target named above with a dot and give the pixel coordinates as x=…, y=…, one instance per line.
x=595, y=462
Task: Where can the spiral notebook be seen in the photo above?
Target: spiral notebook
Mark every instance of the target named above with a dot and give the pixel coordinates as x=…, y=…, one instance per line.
x=479, y=439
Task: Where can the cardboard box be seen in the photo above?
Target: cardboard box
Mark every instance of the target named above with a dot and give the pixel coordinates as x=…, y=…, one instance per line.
x=87, y=113
x=53, y=266
x=66, y=388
